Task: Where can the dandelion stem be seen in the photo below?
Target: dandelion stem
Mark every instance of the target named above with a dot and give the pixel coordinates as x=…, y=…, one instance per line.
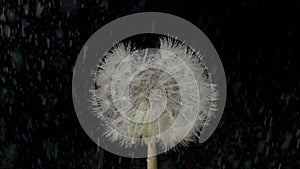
x=151, y=160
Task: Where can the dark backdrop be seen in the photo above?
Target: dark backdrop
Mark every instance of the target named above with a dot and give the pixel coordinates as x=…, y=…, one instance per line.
x=257, y=42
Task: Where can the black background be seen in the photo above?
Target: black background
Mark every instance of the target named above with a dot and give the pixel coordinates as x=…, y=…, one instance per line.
x=257, y=42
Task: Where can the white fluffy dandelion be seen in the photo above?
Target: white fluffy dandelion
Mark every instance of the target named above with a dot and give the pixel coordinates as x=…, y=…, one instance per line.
x=154, y=96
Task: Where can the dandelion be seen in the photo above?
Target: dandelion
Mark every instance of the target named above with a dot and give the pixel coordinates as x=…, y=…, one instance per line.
x=155, y=96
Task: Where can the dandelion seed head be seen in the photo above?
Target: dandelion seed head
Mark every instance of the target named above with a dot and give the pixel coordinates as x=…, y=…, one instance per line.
x=159, y=95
